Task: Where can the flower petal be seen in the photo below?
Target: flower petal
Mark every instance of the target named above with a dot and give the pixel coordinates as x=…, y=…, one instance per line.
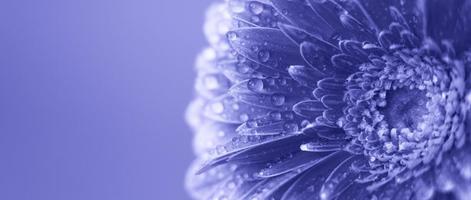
x=323, y=145
x=309, y=108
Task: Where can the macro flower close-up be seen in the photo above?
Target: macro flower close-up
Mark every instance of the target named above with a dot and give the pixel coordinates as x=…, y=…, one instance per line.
x=333, y=99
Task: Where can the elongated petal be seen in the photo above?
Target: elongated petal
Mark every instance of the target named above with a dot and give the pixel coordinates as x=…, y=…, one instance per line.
x=324, y=145
x=309, y=108
x=331, y=84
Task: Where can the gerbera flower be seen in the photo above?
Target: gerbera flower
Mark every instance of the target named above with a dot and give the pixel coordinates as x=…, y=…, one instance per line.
x=334, y=99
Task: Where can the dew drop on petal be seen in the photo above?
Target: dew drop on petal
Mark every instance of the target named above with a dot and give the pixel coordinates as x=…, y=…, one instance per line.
x=304, y=147
x=221, y=133
x=235, y=106
x=288, y=116
x=256, y=8
x=231, y=35
x=323, y=195
x=278, y=99
x=263, y=55
x=284, y=12
x=255, y=84
x=237, y=6
x=255, y=19
x=468, y=98
x=252, y=123
x=231, y=185
x=211, y=82
x=281, y=81
x=275, y=115
x=243, y=68
x=217, y=107
x=244, y=117
x=270, y=81
x=290, y=127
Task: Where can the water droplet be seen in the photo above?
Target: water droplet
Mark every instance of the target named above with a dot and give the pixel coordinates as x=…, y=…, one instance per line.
x=256, y=8
x=468, y=98
x=235, y=106
x=237, y=6
x=252, y=124
x=255, y=19
x=282, y=81
x=243, y=68
x=220, y=149
x=304, y=147
x=284, y=12
x=323, y=195
x=221, y=133
x=217, y=107
x=275, y=115
x=263, y=55
x=290, y=127
x=231, y=35
x=305, y=123
x=277, y=99
x=288, y=115
x=255, y=84
x=211, y=82
x=244, y=117
x=270, y=81
x=231, y=185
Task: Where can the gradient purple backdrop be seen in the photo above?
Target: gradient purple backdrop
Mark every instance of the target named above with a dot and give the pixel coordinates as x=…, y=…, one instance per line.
x=92, y=98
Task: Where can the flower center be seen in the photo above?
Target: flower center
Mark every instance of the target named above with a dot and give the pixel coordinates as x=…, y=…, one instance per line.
x=404, y=111
x=405, y=108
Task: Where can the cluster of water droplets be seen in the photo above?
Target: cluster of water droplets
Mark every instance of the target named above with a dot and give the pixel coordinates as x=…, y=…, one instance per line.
x=262, y=52
x=254, y=12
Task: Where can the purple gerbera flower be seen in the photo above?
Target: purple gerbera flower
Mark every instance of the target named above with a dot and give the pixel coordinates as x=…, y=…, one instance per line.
x=334, y=99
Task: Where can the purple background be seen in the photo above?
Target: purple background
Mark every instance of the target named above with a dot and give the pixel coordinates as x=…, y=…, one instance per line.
x=92, y=97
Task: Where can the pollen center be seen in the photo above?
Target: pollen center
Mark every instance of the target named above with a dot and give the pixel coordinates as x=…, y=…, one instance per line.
x=405, y=108
x=404, y=111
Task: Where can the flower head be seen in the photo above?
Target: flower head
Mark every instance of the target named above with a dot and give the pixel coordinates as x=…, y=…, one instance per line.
x=334, y=99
